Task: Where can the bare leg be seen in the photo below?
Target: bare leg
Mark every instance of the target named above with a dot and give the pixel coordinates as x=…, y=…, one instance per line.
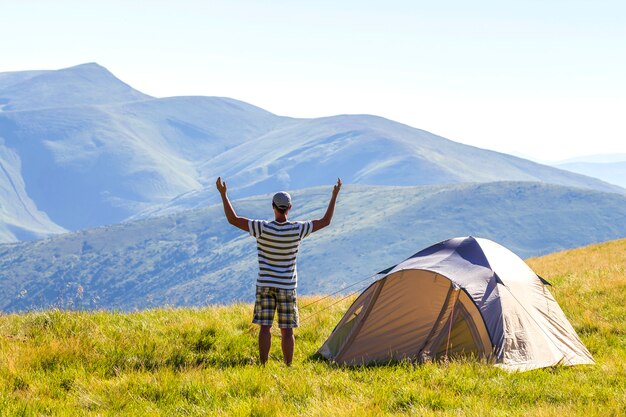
x=287, y=344
x=265, y=342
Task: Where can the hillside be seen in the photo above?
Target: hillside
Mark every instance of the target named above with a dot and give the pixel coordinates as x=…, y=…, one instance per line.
x=20, y=219
x=85, y=149
x=195, y=257
x=360, y=149
x=200, y=362
x=89, y=165
x=81, y=85
x=611, y=172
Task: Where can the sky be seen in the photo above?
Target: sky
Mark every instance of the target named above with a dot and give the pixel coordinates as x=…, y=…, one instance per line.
x=542, y=79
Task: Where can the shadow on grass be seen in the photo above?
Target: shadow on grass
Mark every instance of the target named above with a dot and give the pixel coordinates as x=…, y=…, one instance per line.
x=221, y=363
x=176, y=362
x=408, y=362
x=317, y=358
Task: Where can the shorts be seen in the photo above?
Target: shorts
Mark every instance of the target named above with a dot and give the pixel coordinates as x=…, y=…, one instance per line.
x=268, y=300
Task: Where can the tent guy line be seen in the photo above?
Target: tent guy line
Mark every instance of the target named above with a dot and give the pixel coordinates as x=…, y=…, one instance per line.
x=341, y=290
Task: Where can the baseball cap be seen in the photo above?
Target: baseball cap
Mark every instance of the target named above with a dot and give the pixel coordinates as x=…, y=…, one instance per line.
x=282, y=200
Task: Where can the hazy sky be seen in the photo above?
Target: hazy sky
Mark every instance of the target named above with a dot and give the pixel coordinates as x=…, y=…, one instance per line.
x=544, y=78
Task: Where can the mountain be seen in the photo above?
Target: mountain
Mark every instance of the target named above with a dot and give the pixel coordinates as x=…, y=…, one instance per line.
x=598, y=159
x=360, y=149
x=81, y=148
x=19, y=217
x=81, y=85
x=92, y=164
x=195, y=257
x=608, y=168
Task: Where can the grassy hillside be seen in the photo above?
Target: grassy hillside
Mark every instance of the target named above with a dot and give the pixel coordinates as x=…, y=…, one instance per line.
x=195, y=257
x=203, y=361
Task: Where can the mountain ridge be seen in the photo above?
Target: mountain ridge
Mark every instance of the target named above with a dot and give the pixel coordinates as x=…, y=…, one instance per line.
x=610, y=172
x=91, y=83
x=195, y=257
x=101, y=152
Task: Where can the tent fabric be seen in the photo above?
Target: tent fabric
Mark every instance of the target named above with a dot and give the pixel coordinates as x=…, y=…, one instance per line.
x=462, y=296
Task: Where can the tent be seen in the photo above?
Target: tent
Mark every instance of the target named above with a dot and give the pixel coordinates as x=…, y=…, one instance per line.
x=462, y=296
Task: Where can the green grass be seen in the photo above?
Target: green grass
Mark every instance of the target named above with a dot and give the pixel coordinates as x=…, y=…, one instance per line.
x=202, y=362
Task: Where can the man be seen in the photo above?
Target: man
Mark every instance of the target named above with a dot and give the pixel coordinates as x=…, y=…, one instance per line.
x=278, y=242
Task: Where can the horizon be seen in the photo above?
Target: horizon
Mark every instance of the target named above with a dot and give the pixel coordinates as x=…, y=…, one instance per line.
x=540, y=80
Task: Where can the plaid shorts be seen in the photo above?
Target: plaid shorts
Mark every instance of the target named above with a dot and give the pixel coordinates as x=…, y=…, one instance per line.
x=268, y=299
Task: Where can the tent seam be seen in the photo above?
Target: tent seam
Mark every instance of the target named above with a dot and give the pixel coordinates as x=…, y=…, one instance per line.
x=365, y=315
x=444, y=307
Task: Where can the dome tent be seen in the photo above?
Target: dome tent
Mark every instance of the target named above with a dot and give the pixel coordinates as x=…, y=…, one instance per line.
x=462, y=296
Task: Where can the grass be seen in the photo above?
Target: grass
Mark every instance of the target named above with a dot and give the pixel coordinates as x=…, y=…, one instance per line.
x=198, y=362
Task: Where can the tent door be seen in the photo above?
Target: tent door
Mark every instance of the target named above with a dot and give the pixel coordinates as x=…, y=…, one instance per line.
x=457, y=333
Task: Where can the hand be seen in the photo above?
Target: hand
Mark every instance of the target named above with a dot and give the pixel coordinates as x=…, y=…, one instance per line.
x=221, y=185
x=337, y=187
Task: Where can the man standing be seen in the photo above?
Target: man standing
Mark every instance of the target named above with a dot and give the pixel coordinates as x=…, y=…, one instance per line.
x=278, y=242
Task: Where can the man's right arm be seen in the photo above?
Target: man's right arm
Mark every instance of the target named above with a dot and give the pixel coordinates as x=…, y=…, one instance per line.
x=328, y=216
x=229, y=211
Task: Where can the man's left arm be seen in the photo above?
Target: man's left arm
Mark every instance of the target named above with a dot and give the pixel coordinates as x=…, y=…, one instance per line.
x=328, y=216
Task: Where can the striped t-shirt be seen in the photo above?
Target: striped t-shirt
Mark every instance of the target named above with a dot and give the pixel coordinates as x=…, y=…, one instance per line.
x=277, y=245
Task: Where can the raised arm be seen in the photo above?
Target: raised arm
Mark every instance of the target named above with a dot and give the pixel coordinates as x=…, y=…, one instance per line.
x=325, y=221
x=229, y=211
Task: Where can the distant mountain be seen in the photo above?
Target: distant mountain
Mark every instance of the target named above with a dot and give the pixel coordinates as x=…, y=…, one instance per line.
x=8, y=79
x=361, y=150
x=597, y=159
x=610, y=168
x=19, y=217
x=87, y=165
x=611, y=172
x=195, y=257
x=84, y=149
x=81, y=85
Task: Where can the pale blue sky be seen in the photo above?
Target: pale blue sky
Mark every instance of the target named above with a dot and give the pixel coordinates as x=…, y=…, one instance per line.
x=540, y=78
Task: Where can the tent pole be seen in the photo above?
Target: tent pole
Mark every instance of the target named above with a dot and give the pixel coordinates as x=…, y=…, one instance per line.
x=450, y=328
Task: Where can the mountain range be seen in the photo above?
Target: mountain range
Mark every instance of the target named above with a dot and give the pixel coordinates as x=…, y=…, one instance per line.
x=609, y=168
x=107, y=196
x=79, y=148
x=195, y=257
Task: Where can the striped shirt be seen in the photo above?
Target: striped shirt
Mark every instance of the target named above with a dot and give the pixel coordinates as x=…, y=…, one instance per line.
x=277, y=245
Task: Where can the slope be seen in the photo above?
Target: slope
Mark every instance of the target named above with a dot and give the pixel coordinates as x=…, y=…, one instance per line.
x=19, y=217
x=200, y=362
x=611, y=172
x=361, y=150
x=195, y=257
x=89, y=165
x=93, y=151
x=80, y=85
x=375, y=151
